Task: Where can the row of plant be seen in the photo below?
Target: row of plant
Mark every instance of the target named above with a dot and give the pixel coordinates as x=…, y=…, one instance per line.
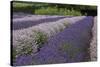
x=28, y=41
x=69, y=45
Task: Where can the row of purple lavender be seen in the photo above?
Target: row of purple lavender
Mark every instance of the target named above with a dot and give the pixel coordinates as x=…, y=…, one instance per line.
x=69, y=45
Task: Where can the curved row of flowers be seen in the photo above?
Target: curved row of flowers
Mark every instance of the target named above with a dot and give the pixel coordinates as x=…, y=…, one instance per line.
x=28, y=41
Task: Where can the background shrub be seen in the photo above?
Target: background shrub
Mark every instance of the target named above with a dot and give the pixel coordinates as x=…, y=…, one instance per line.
x=54, y=9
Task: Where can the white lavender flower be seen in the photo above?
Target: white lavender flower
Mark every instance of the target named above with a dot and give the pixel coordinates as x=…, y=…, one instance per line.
x=27, y=41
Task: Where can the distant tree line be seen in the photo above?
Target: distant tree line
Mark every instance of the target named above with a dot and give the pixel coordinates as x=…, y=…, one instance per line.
x=31, y=7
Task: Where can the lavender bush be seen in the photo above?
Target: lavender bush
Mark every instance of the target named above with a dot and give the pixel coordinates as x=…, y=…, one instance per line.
x=27, y=41
x=60, y=42
x=70, y=45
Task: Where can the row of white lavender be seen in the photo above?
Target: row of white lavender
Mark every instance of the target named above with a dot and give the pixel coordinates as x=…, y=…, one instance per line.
x=28, y=41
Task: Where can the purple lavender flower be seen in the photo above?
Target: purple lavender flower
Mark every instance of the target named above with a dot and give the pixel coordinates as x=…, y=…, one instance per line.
x=67, y=46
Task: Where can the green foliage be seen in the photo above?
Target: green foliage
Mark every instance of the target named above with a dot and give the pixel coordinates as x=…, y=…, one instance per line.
x=22, y=7
x=55, y=11
x=14, y=54
x=27, y=49
x=25, y=46
x=52, y=9
x=40, y=38
x=47, y=11
x=66, y=24
x=70, y=49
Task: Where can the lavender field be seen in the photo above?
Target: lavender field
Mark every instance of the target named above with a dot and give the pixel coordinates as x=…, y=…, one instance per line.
x=45, y=39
